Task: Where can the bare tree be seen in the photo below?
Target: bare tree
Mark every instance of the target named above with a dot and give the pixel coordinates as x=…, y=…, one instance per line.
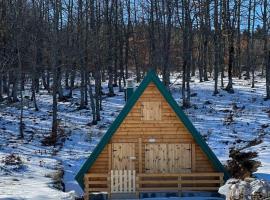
x=265, y=47
x=55, y=65
x=217, y=46
x=187, y=51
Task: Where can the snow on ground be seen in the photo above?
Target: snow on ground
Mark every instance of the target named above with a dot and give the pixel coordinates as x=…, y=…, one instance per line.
x=233, y=120
x=225, y=120
x=35, y=178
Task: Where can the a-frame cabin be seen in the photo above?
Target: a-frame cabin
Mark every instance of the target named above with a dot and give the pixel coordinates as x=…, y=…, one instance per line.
x=151, y=146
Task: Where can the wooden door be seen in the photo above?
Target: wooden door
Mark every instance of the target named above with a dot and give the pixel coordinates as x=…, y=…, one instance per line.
x=168, y=158
x=179, y=158
x=155, y=158
x=123, y=156
x=186, y=158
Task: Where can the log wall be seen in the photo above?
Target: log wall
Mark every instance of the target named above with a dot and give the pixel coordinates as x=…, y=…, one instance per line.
x=167, y=130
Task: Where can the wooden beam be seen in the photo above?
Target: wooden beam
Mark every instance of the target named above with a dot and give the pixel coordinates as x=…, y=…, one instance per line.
x=137, y=186
x=86, y=189
x=221, y=179
x=193, y=157
x=109, y=169
x=96, y=175
x=206, y=174
x=110, y=157
x=140, y=155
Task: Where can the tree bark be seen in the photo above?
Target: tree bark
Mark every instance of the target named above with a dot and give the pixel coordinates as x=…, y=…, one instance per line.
x=216, y=43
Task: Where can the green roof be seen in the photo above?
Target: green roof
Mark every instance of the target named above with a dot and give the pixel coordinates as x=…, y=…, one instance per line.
x=151, y=77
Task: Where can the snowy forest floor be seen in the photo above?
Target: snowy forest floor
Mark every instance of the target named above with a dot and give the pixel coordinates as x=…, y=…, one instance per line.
x=225, y=120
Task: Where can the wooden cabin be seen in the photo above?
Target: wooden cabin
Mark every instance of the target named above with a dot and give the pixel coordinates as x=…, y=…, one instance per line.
x=151, y=146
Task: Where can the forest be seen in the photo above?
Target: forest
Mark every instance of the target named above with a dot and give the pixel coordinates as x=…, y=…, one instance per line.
x=64, y=64
x=62, y=40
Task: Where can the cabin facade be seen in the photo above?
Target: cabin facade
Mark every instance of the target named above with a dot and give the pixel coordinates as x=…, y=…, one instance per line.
x=151, y=146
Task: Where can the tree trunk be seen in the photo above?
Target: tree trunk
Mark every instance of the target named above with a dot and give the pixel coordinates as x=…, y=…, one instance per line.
x=187, y=53
x=248, y=64
x=97, y=93
x=237, y=67
x=268, y=77
x=216, y=43
x=252, y=45
x=92, y=103
x=48, y=81
x=86, y=78
x=72, y=80
x=265, y=48
x=21, y=124
x=55, y=66
x=229, y=87
x=5, y=83
x=1, y=86
x=59, y=83
x=14, y=92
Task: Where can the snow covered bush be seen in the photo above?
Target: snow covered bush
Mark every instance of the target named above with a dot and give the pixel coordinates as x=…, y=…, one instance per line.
x=57, y=178
x=248, y=189
x=12, y=162
x=12, y=159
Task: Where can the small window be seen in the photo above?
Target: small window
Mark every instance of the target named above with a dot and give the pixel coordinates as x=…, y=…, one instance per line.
x=151, y=111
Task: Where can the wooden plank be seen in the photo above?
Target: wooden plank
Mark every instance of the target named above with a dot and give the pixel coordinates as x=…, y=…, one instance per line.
x=122, y=156
x=96, y=175
x=174, y=158
x=117, y=180
x=155, y=158
x=97, y=183
x=200, y=188
x=137, y=186
x=112, y=181
x=151, y=111
x=140, y=155
x=109, y=157
x=221, y=180
x=199, y=181
x=120, y=180
x=109, y=186
x=215, y=174
x=186, y=158
x=158, y=189
x=98, y=189
x=155, y=182
x=130, y=181
x=193, y=157
x=133, y=181
x=125, y=180
x=178, y=181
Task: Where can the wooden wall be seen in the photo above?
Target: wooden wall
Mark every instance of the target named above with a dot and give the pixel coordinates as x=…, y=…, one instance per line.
x=167, y=130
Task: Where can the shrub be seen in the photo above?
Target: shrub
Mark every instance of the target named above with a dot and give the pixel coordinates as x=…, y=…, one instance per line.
x=242, y=164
